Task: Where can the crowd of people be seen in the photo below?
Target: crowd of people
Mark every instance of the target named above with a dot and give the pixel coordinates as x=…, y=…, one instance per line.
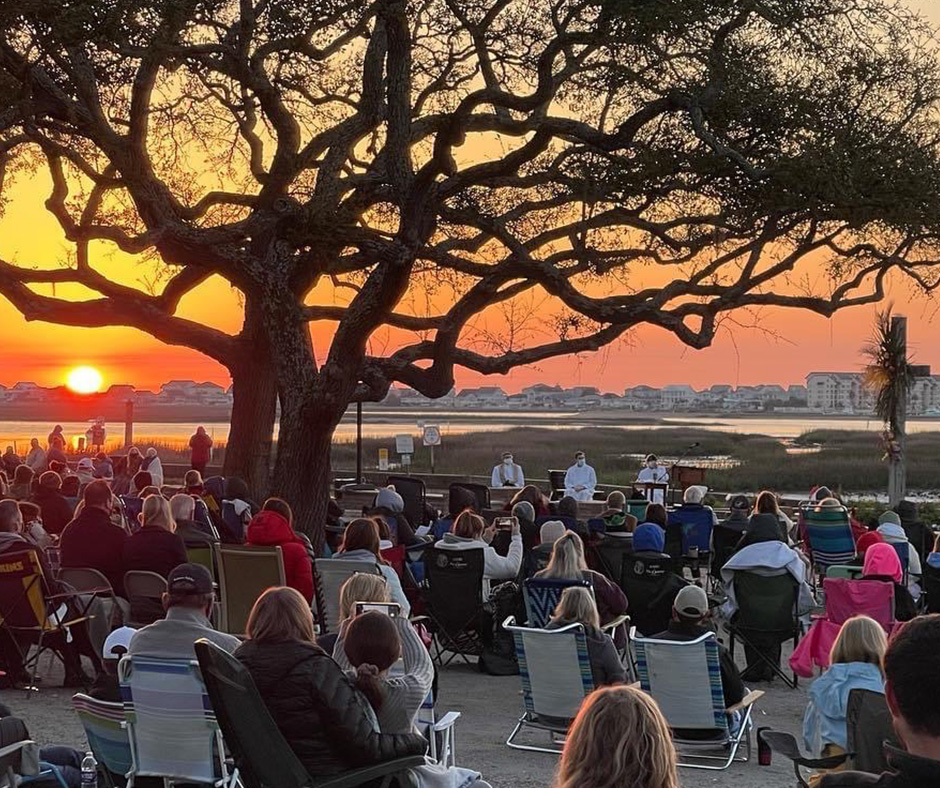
x=351, y=697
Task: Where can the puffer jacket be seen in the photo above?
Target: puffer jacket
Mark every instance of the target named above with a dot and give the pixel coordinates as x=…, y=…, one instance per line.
x=269, y=529
x=328, y=723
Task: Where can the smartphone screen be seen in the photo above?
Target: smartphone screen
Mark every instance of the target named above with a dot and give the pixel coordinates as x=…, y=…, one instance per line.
x=392, y=609
x=504, y=523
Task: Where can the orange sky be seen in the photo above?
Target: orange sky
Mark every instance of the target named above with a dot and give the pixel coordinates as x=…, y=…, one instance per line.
x=43, y=353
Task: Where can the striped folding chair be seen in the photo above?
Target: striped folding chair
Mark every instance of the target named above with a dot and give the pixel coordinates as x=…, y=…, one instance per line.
x=684, y=678
x=829, y=534
x=171, y=727
x=556, y=678
x=107, y=738
x=542, y=597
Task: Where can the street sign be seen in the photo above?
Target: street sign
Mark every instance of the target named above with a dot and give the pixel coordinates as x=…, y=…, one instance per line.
x=405, y=444
x=383, y=459
x=432, y=435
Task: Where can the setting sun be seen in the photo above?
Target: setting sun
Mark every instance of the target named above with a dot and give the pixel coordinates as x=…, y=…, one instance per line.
x=84, y=380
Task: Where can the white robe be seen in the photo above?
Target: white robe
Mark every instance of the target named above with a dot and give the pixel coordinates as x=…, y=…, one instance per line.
x=511, y=473
x=583, y=476
x=657, y=475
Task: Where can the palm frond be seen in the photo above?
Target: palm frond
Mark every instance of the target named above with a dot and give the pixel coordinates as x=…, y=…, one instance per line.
x=889, y=374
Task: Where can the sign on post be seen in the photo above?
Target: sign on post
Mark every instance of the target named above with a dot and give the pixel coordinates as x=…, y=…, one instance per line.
x=383, y=459
x=432, y=435
x=405, y=444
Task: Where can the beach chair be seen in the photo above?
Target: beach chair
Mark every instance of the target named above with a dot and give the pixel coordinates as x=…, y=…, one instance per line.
x=262, y=755
x=542, y=597
x=829, y=536
x=440, y=733
x=651, y=587
x=244, y=572
x=103, y=723
x=331, y=573
x=414, y=494
x=170, y=724
x=19, y=760
x=556, y=678
x=453, y=596
x=767, y=606
x=684, y=678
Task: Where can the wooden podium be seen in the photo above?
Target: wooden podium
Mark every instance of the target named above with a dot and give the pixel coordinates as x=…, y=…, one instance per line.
x=685, y=476
x=649, y=488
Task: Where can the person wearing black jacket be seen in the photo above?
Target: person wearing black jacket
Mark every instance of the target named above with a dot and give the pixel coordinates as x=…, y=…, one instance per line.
x=92, y=541
x=326, y=721
x=155, y=547
x=56, y=512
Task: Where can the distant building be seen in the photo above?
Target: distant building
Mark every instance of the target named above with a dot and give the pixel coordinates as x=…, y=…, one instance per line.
x=678, y=395
x=485, y=396
x=837, y=392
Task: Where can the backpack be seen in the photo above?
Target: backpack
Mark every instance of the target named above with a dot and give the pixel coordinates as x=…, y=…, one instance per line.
x=498, y=657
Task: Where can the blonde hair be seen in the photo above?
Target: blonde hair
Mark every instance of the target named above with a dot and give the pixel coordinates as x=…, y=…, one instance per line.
x=279, y=615
x=156, y=511
x=567, y=561
x=361, y=587
x=182, y=506
x=861, y=639
x=619, y=738
x=469, y=525
x=577, y=606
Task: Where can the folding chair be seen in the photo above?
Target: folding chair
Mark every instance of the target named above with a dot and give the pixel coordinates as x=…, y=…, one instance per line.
x=903, y=549
x=637, y=507
x=201, y=555
x=786, y=745
x=767, y=605
x=261, y=754
x=689, y=529
x=684, y=678
x=440, y=733
x=244, y=573
x=107, y=737
x=147, y=584
x=331, y=574
x=651, y=587
x=19, y=761
x=28, y=612
x=481, y=491
x=848, y=572
x=611, y=552
x=414, y=494
x=170, y=724
x=847, y=598
x=131, y=506
x=542, y=597
x=724, y=542
x=829, y=535
x=454, y=601
x=556, y=678
x=869, y=725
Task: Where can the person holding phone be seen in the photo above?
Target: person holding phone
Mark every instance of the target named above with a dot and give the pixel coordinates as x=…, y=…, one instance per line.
x=470, y=532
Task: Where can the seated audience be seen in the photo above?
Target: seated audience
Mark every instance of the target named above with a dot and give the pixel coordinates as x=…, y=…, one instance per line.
x=134, y=460
x=690, y=614
x=618, y=739
x=891, y=530
x=32, y=525
x=36, y=457
x=882, y=563
x=855, y=663
x=22, y=486
x=11, y=461
x=567, y=563
x=193, y=484
x=361, y=543
x=141, y=481
x=85, y=470
x=106, y=686
x=524, y=512
x=121, y=481
x=327, y=722
x=567, y=507
x=616, y=518
x=361, y=587
x=767, y=503
x=390, y=506
x=470, y=533
x=192, y=532
x=188, y=602
x=152, y=465
x=273, y=525
x=649, y=538
x=912, y=686
x=656, y=514
x=577, y=607
x=92, y=541
x=155, y=546
x=56, y=511
x=534, y=496
x=104, y=468
x=549, y=532
x=71, y=488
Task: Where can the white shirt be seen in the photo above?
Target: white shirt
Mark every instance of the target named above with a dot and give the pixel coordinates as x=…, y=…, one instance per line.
x=657, y=475
x=503, y=473
x=580, y=476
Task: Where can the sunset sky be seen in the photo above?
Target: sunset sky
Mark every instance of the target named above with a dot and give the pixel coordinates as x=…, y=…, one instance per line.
x=790, y=345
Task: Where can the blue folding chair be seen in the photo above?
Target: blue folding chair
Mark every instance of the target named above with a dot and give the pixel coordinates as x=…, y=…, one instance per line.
x=695, y=524
x=542, y=597
x=829, y=534
x=107, y=737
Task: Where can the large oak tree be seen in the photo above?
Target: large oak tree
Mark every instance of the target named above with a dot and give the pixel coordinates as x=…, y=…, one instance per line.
x=475, y=183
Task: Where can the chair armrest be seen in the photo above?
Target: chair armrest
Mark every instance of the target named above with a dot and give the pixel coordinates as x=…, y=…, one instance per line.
x=612, y=625
x=12, y=748
x=447, y=721
x=786, y=745
x=362, y=776
x=752, y=697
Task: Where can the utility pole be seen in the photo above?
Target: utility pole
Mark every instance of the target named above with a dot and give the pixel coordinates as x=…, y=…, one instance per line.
x=897, y=463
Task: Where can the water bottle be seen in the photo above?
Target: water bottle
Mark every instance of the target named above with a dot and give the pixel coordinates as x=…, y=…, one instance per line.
x=89, y=771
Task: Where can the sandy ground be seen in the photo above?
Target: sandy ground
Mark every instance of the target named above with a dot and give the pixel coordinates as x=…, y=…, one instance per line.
x=489, y=707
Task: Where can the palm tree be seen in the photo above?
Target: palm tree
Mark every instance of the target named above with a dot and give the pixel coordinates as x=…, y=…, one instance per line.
x=890, y=376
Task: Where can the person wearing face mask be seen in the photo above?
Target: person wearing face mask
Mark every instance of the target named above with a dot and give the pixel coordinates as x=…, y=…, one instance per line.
x=508, y=473
x=580, y=480
x=653, y=473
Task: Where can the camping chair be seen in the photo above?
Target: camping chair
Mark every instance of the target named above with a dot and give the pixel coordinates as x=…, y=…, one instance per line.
x=847, y=572
x=611, y=552
x=689, y=530
x=331, y=573
x=637, y=507
x=829, y=535
x=170, y=724
x=542, y=597
x=261, y=754
x=651, y=587
x=766, y=606
x=481, y=491
x=232, y=528
x=19, y=760
x=454, y=601
x=131, y=507
x=903, y=549
x=556, y=678
x=684, y=678
x=244, y=573
x=786, y=745
x=440, y=733
x=847, y=598
x=414, y=494
x=28, y=612
x=107, y=737
x=724, y=542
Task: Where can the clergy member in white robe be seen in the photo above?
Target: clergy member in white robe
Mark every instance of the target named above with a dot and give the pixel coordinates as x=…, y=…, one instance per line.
x=653, y=472
x=507, y=473
x=580, y=480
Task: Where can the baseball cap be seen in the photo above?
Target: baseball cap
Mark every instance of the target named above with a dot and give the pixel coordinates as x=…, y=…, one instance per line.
x=692, y=602
x=189, y=580
x=740, y=503
x=117, y=643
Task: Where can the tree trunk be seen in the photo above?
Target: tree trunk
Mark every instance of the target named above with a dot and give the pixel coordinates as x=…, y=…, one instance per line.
x=254, y=408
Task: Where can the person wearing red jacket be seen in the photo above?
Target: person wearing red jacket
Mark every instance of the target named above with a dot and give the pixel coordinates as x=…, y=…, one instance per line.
x=272, y=526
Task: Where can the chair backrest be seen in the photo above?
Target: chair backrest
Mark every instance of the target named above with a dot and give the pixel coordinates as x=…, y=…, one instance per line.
x=395, y=558
x=442, y=525
x=245, y=571
x=637, y=507
x=22, y=591
x=138, y=583
x=684, y=678
x=848, y=572
x=903, y=549
x=611, y=552
x=724, y=542
x=542, y=597
x=481, y=491
x=869, y=725
x=454, y=586
x=830, y=535
x=262, y=755
x=556, y=480
x=766, y=603
x=201, y=555
x=695, y=527
x=846, y=598
x=232, y=529
x=554, y=667
x=104, y=729
x=414, y=495
x=132, y=506
x=331, y=574
x=651, y=586
x=86, y=581
x=171, y=726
